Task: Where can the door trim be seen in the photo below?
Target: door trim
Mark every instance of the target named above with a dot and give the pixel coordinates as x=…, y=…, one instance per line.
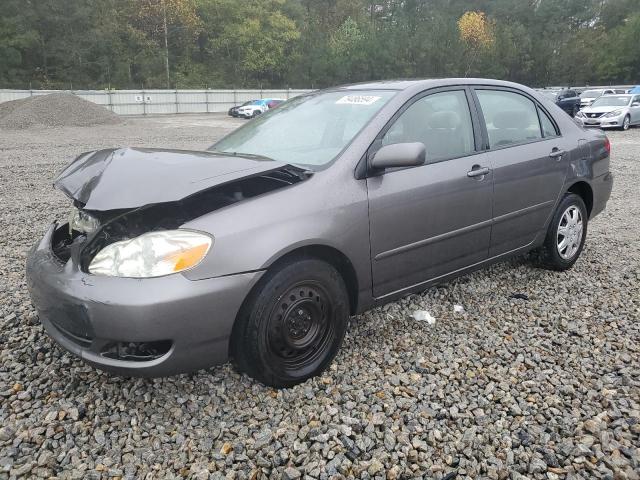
x=434, y=239
x=456, y=273
x=460, y=231
x=528, y=209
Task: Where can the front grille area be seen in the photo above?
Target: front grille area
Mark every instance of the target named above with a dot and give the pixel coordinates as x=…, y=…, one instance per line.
x=594, y=115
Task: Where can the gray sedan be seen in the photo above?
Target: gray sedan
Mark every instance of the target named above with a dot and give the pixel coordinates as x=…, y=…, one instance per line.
x=260, y=248
x=612, y=111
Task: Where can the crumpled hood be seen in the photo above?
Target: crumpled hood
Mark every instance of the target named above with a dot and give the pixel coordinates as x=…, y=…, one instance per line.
x=133, y=177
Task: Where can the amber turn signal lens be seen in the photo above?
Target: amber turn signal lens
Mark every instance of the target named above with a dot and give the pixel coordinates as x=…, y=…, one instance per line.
x=188, y=258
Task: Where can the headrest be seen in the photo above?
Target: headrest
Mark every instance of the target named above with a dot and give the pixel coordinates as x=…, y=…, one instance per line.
x=511, y=119
x=443, y=119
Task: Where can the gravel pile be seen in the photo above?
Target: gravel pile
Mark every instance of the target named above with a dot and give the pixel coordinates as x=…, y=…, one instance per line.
x=538, y=377
x=54, y=110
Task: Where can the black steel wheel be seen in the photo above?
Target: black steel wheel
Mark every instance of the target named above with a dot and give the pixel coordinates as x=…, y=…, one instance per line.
x=292, y=324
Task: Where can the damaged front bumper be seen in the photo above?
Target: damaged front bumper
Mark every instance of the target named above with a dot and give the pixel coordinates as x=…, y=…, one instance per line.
x=135, y=327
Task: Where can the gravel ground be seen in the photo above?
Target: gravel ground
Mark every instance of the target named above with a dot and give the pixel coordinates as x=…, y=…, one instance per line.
x=544, y=386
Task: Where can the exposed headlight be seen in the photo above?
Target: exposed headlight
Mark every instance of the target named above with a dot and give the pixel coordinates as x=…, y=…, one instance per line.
x=82, y=221
x=152, y=254
x=615, y=113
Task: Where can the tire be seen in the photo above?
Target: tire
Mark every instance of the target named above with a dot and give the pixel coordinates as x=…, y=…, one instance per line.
x=626, y=123
x=570, y=217
x=575, y=110
x=292, y=324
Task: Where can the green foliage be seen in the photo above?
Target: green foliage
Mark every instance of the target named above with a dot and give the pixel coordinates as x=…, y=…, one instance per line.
x=314, y=43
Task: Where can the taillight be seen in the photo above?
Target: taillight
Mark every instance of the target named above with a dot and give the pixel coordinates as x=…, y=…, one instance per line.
x=607, y=144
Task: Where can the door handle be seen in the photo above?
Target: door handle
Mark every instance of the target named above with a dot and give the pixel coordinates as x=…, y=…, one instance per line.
x=557, y=153
x=478, y=171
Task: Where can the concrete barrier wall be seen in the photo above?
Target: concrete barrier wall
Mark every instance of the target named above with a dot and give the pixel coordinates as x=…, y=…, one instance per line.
x=160, y=102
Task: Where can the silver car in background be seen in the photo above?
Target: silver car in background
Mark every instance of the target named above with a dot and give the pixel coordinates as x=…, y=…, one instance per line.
x=612, y=111
x=589, y=96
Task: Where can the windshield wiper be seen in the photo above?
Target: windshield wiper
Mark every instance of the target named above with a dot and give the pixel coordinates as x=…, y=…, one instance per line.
x=298, y=166
x=248, y=155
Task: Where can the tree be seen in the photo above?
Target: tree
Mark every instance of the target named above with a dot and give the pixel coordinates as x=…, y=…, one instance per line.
x=476, y=32
x=159, y=17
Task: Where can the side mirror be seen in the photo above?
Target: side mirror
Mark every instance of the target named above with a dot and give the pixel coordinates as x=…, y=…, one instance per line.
x=635, y=104
x=399, y=155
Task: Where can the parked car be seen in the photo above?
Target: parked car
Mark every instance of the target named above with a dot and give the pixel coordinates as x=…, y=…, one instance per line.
x=588, y=96
x=233, y=111
x=258, y=107
x=612, y=111
x=566, y=99
x=260, y=248
x=255, y=108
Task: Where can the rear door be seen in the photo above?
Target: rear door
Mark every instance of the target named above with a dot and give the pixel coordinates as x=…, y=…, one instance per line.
x=433, y=219
x=529, y=158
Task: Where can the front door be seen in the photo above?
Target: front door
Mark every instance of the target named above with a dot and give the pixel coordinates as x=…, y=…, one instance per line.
x=434, y=219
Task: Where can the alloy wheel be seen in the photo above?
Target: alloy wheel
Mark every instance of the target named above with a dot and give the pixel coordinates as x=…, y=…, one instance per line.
x=625, y=123
x=569, y=233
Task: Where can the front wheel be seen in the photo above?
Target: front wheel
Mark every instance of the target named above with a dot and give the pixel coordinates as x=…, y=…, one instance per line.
x=292, y=324
x=626, y=123
x=566, y=234
x=575, y=110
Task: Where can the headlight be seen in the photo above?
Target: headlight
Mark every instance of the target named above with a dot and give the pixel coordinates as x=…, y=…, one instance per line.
x=152, y=254
x=613, y=114
x=82, y=221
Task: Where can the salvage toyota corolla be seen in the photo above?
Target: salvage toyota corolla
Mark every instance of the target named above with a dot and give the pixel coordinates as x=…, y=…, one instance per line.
x=260, y=248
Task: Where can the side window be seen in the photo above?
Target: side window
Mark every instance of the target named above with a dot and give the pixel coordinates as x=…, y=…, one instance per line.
x=636, y=99
x=441, y=121
x=548, y=128
x=510, y=117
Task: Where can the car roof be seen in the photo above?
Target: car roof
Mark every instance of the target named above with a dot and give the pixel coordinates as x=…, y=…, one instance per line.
x=404, y=84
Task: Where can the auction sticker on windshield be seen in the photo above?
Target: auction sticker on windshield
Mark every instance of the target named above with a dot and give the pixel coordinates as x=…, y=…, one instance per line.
x=358, y=100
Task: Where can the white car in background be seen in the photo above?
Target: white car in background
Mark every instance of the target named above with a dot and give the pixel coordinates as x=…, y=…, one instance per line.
x=255, y=108
x=611, y=111
x=258, y=106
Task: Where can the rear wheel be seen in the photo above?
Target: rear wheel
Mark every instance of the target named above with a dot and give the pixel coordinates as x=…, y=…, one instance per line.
x=566, y=235
x=292, y=324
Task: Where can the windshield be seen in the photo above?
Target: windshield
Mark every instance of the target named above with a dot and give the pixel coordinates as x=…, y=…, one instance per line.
x=612, y=101
x=592, y=93
x=309, y=130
